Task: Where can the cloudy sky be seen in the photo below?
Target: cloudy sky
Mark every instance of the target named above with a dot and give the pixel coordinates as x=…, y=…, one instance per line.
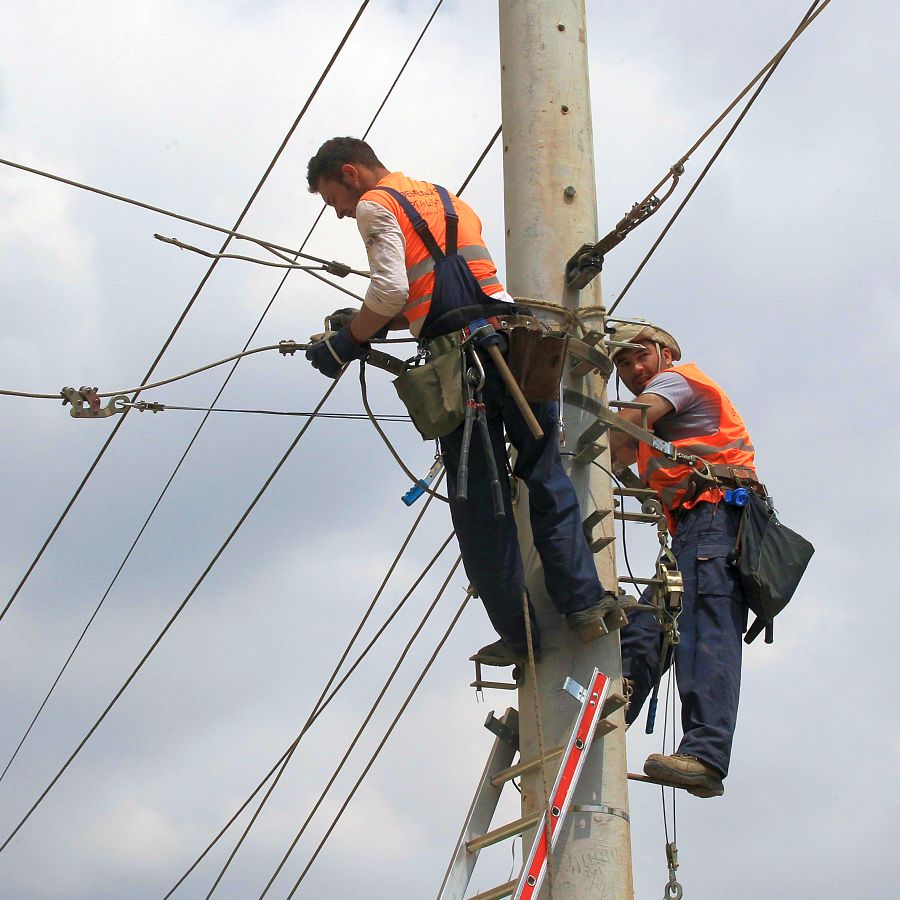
x=780, y=279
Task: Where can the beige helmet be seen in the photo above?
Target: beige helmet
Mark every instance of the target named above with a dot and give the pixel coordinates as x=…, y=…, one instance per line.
x=641, y=330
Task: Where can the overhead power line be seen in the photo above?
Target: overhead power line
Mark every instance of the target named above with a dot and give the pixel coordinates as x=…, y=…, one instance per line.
x=769, y=70
x=189, y=305
x=173, y=617
x=221, y=389
x=351, y=746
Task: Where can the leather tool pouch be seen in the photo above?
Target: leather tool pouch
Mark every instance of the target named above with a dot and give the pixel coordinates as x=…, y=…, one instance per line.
x=536, y=358
x=433, y=393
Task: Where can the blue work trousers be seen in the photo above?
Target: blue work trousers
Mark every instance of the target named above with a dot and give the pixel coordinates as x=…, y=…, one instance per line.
x=489, y=545
x=708, y=656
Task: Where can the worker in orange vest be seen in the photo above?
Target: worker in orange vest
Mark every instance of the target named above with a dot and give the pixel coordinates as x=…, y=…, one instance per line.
x=431, y=272
x=688, y=409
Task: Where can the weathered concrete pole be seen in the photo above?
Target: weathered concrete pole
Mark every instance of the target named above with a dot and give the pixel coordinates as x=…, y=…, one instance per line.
x=550, y=204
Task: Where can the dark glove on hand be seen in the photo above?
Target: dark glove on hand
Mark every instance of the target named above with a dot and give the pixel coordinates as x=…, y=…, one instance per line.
x=339, y=318
x=330, y=355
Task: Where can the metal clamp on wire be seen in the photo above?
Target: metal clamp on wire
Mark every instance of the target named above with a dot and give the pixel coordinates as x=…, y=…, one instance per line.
x=86, y=404
x=673, y=890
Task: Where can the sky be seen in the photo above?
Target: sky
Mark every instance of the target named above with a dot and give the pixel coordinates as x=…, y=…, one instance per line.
x=779, y=279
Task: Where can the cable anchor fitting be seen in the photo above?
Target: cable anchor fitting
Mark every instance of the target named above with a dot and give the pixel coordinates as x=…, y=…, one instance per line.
x=673, y=890
x=86, y=404
x=289, y=348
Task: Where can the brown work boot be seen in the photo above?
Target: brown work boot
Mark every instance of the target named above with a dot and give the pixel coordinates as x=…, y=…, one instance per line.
x=501, y=653
x=590, y=624
x=683, y=770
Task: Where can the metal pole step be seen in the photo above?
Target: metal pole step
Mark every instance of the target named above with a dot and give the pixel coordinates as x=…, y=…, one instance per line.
x=527, y=765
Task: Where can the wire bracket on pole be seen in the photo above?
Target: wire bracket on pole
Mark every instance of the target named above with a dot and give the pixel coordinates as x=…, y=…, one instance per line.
x=86, y=404
x=585, y=264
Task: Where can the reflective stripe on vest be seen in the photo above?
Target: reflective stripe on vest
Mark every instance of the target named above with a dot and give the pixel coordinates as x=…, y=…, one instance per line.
x=419, y=262
x=729, y=446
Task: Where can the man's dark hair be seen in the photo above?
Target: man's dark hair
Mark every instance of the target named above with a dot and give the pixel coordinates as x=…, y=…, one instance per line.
x=338, y=152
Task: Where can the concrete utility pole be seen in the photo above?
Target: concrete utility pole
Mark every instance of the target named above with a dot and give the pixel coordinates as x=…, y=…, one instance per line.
x=550, y=204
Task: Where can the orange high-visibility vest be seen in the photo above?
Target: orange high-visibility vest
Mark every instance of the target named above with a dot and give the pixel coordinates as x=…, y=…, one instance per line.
x=419, y=263
x=729, y=446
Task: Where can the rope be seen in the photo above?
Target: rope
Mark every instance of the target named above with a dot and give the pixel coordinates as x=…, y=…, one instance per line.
x=172, y=619
x=378, y=749
x=575, y=318
x=769, y=69
x=186, y=309
x=540, y=736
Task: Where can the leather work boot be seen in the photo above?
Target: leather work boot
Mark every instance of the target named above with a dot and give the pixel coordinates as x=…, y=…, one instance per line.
x=500, y=653
x=590, y=624
x=683, y=770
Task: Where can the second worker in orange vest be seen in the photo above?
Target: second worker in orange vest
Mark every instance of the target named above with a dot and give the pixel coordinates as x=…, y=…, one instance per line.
x=688, y=409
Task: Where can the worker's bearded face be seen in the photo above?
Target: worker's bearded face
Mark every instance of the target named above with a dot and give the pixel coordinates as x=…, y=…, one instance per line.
x=637, y=367
x=341, y=195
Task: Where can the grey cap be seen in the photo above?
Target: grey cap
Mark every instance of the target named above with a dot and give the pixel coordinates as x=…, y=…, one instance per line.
x=643, y=331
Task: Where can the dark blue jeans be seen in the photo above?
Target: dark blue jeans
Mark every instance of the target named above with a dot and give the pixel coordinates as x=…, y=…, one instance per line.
x=708, y=657
x=490, y=546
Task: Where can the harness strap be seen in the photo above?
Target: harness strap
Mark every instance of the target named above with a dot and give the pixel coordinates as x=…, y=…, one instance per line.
x=421, y=226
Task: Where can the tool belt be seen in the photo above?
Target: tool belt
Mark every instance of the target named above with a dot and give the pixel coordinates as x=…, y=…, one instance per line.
x=714, y=475
x=433, y=389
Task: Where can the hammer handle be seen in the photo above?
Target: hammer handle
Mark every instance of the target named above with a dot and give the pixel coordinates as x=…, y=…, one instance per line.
x=516, y=391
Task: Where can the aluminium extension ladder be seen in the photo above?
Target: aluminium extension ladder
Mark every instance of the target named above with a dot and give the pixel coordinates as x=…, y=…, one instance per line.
x=596, y=706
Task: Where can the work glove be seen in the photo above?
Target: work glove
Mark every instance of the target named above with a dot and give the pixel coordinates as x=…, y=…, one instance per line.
x=341, y=317
x=334, y=351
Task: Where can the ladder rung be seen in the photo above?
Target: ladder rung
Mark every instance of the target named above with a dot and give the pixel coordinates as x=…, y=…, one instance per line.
x=601, y=542
x=503, y=890
x=632, y=776
x=635, y=517
x=635, y=492
x=595, y=430
x=521, y=767
x=503, y=832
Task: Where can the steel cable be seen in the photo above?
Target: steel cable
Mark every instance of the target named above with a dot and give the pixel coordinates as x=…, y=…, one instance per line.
x=189, y=305
x=769, y=70
x=321, y=704
x=376, y=752
x=320, y=707
x=174, y=616
x=359, y=732
x=219, y=393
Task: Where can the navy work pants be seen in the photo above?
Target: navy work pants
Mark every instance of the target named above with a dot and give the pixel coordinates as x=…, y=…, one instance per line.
x=708, y=657
x=489, y=545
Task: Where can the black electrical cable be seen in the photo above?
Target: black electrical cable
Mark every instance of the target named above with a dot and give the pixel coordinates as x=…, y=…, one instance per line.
x=479, y=161
x=189, y=306
x=220, y=391
x=377, y=750
x=362, y=727
x=319, y=708
x=715, y=156
x=323, y=700
x=173, y=617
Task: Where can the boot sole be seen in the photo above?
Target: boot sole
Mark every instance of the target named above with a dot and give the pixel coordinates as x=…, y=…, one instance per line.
x=692, y=782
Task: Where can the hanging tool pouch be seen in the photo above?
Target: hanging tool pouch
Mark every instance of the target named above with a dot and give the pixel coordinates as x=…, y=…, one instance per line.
x=536, y=357
x=433, y=392
x=771, y=561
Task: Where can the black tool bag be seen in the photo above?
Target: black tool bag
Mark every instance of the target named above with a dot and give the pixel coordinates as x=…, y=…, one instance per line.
x=771, y=561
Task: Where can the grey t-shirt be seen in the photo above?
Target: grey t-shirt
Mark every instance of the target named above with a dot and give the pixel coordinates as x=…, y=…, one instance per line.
x=695, y=411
